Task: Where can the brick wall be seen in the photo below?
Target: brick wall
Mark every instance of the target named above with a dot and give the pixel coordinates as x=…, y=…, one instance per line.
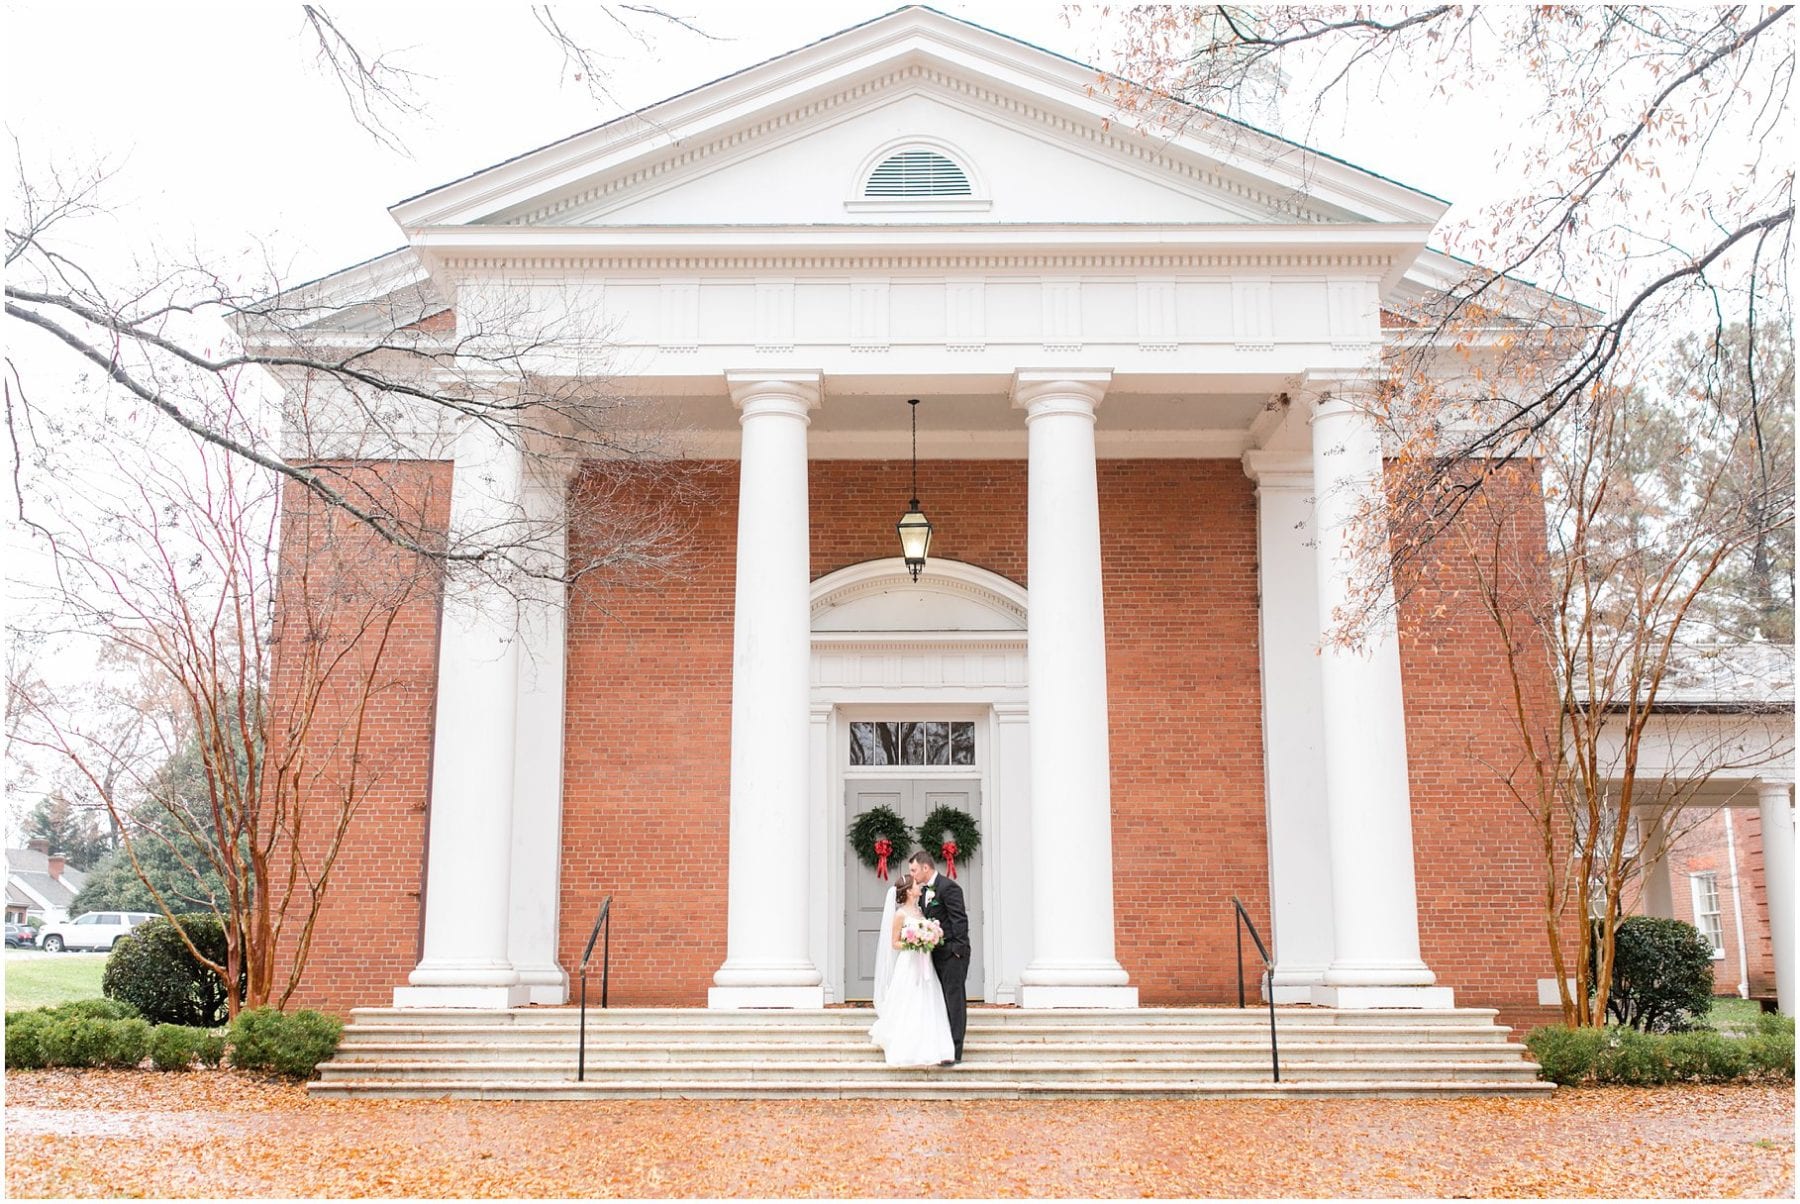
x=647, y=751
x=350, y=582
x=648, y=739
x=1478, y=865
x=1184, y=691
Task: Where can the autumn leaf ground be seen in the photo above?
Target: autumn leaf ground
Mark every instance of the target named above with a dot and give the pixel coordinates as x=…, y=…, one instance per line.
x=123, y=1133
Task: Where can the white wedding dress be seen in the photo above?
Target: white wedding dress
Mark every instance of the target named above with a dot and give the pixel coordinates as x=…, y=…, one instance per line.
x=910, y=1025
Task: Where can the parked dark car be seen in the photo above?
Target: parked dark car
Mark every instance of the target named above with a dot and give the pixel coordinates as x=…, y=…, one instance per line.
x=21, y=936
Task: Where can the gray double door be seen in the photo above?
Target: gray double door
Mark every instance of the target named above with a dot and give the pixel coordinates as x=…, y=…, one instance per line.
x=864, y=893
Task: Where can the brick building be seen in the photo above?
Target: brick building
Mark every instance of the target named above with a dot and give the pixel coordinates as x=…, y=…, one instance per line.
x=1138, y=364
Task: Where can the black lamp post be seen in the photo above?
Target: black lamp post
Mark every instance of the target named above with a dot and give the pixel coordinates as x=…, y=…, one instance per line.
x=914, y=527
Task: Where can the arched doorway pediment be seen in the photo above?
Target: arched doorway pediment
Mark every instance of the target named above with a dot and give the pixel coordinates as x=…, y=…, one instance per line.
x=880, y=596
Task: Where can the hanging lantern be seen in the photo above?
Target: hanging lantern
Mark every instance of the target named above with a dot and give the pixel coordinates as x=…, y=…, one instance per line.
x=914, y=527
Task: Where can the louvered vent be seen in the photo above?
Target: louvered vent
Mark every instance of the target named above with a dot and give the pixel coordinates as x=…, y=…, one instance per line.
x=917, y=173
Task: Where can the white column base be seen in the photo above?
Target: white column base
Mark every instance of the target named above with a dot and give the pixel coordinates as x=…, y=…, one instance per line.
x=546, y=986
x=729, y=998
x=1117, y=998
x=1295, y=984
x=1365, y=998
x=491, y=998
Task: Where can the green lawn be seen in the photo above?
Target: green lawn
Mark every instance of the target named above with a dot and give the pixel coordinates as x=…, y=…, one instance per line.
x=1733, y=1013
x=38, y=980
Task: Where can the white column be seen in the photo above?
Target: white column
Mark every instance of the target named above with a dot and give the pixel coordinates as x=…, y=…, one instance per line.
x=1775, y=801
x=1656, y=895
x=768, y=896
x=468, y=894
x=1072, y=961
x=1293, y=735
x=1374, y=899
x=538, y=742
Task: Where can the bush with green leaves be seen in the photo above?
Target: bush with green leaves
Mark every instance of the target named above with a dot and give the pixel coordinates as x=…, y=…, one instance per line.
x=75, y=1041
x=292, y=1044
x=1565, y=1055
x=178, y=1047
x=127, y=1043
x=93, y=1009
x=1662, y=979
x=1705, y=1057
x=1771, y=1047
x=153, y=970
x=25, y=1039
x=1627, y=1057
x=171, y=1046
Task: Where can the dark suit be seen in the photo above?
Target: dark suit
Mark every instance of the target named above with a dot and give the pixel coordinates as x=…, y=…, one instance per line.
x=951, y=958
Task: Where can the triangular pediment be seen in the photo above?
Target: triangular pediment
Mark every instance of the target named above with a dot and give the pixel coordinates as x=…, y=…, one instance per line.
x=790, y=142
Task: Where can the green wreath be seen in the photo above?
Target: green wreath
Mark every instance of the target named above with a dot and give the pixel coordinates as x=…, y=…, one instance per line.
x=874, y=824
x=946, y=824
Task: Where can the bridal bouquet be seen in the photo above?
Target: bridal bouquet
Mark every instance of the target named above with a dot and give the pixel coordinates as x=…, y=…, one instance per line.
x=922, y=935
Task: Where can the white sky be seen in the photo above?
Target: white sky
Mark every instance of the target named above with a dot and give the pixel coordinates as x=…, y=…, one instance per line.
x=225, y=132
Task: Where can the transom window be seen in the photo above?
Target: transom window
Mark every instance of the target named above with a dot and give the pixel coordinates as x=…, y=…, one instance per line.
x=908, y=742
x=917, y=173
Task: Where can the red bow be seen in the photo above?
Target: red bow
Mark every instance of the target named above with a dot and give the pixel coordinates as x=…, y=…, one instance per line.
x=950, y=855
x=883, y=846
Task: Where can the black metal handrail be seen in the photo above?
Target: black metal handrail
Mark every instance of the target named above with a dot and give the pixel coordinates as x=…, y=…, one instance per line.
x=1243, y=922
x=602, y=923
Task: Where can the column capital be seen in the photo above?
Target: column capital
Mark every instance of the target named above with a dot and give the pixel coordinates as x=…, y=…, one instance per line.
x=1040, y=391
x=795, y=392
x=1330, y=395
x=1280, y=469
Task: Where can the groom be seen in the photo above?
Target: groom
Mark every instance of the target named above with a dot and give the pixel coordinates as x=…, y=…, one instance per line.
x=941, y=899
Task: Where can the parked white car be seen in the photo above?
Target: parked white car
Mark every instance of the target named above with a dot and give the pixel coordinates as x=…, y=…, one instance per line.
x=95, y=930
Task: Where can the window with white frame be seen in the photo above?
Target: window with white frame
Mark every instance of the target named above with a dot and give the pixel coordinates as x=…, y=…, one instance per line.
x=1707, y=919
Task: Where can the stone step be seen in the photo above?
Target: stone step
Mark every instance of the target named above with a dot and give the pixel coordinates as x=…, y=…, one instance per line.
x=701, y=1073
x=530, y=1053
x=659, y=1034
x=863, y=1051
x=958, y=1087
x=978, y=1016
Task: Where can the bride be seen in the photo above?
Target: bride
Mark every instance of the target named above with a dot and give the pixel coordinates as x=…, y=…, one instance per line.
x=910, y=1025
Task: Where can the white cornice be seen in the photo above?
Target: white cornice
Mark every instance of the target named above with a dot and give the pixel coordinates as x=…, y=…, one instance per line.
x=1386, y=250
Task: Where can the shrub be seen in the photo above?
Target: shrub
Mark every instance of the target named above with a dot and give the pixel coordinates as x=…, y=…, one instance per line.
x=265, y=1039
x=1662, y=978
x=74, y=1041
x=209, y=1047
x=93, y=1009
x=1565, y=1055
x=1631, y=1059
x=127, y=1043
x=1706, y=1057
x=153, y=970
x=24, y=1040
x=171, y=1047
x=1770, y=1049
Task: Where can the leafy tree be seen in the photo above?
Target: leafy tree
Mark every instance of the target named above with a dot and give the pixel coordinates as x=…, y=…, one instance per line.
x=75, y=833
x=1747, y=386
